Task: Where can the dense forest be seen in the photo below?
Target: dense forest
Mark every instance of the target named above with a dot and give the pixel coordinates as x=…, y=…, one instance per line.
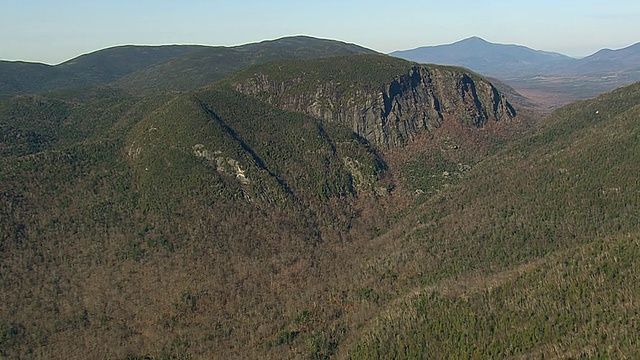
x=216, y=221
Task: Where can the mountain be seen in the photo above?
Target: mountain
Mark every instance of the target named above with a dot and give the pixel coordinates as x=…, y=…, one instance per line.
x=384, y=100
x=605, y=61
x=210, y=214
x=551, y=79
x=356, y=206
x=212, y=64
x=161, y=68
x=97, y=68
x=497, y=60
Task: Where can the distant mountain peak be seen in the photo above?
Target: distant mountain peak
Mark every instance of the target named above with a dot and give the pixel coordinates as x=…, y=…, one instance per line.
x=537, y=73
x=475, y=39
x=480, y=55
x=307, y=40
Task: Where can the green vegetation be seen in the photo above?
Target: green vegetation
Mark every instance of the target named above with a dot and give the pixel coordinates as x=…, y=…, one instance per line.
x=34, y=123
x=201, y=68
x=98, y=68
x=212, y=224
x=359, y=73
x=575, y=303
x=559, y=196
x=153, y=69
x=353, y=78
x=150, y=186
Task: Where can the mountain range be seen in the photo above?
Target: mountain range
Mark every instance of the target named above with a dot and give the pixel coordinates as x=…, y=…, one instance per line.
x=313, y=199
x=497, y=60
x=537, y=74
x=165, y=68
x=546, y=78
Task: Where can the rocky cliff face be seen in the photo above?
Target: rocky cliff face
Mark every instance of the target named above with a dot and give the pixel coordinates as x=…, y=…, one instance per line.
x=390, y=114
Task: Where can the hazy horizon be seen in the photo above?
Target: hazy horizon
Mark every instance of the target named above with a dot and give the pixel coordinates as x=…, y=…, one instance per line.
x=53, y=32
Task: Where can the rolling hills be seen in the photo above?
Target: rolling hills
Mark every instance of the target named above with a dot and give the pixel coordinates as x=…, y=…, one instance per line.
x=259, y=216
x=98, y=68
x=161, y=68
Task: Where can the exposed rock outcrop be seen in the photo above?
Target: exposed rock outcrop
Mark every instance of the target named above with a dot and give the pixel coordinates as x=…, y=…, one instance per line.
x=392, y=113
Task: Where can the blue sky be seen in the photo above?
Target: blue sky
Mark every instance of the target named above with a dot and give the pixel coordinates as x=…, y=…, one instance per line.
x=52, y=31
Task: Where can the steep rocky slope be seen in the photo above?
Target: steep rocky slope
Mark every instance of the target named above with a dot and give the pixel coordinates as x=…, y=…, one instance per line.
x=384, y=100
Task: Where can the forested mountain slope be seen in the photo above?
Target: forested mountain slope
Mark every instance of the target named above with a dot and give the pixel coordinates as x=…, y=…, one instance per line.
x=162, y=68
x=533, y=254
x=243, y=220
